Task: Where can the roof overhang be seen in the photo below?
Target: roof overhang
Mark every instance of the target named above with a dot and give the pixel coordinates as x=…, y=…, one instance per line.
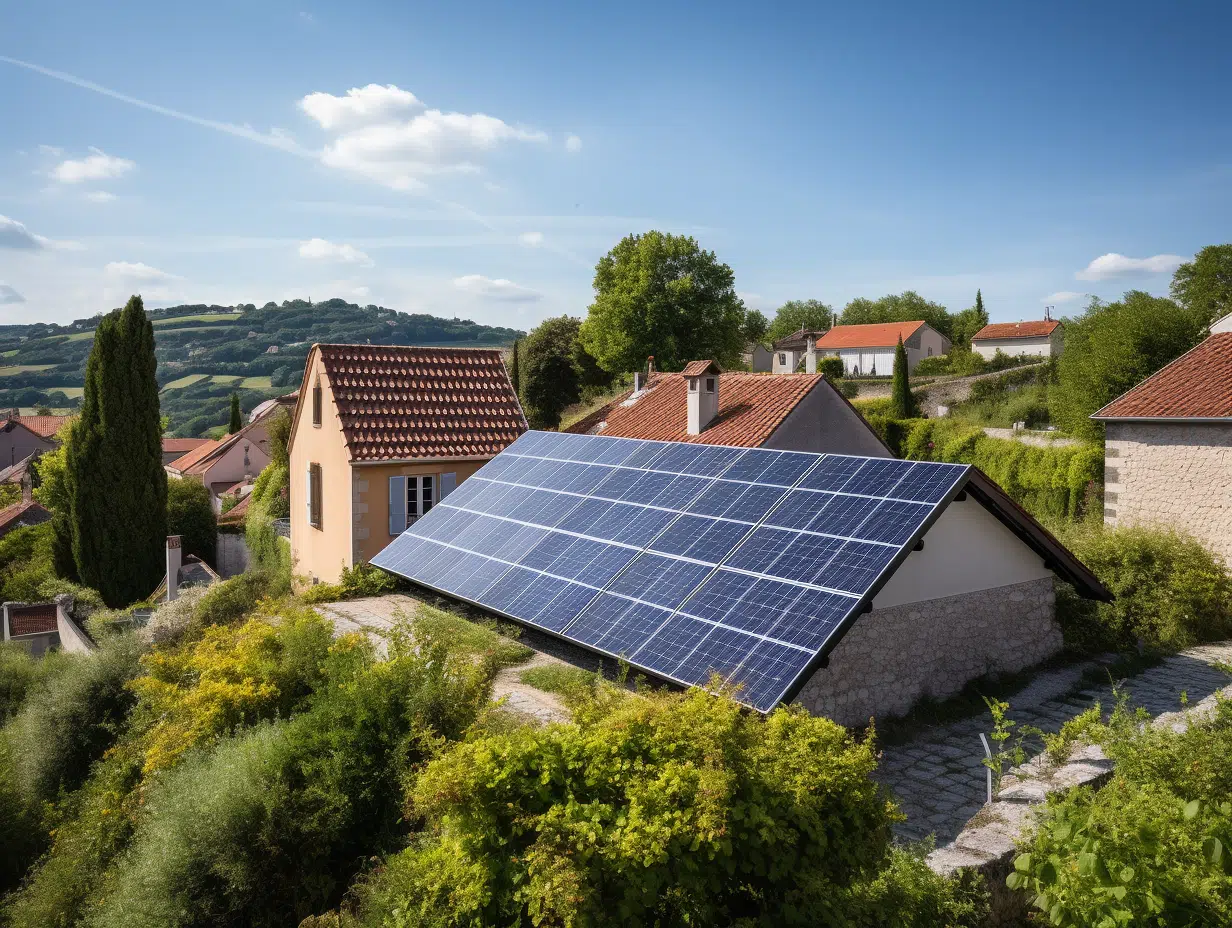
x=441, y=460
x=1176, y=420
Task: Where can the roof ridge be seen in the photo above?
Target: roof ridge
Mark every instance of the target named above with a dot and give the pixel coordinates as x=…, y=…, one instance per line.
x=1098, y=414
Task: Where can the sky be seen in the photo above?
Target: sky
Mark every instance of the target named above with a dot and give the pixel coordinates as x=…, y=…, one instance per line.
x=477, y=159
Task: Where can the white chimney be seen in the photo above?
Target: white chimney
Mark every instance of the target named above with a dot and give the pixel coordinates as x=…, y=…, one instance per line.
x=174, y=561
x=810, y=355
x=702, y=379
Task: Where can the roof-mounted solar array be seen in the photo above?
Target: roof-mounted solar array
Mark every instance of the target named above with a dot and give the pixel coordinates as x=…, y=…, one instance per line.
x=686, y=560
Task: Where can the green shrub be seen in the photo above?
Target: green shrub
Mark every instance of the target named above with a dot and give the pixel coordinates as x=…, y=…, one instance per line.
x=572, y=683
x=268, y=552
x=27, y=561
x=67, y=723
x=849, y=388
x=660, y=810
x=272, y=825
x=894, y=432
x=356, y=582
x=20, y=674
x=234, y=598
x=1171, y=592
x=832, y=368
x=22, y=837
x=190, y=514
x=1150, y=848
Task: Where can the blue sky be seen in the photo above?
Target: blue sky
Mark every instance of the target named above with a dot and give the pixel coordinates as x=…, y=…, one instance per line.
x=477, y=159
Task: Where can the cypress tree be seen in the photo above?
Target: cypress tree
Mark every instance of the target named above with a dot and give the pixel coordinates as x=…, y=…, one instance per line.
x=237, y=419
x=117, y=485
x=979, y=306
x=902, y=401
x=515, y=375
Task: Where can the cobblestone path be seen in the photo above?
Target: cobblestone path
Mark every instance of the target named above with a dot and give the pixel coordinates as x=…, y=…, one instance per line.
x=937, y=776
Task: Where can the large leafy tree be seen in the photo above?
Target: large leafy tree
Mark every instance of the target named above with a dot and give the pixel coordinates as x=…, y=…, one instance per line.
x=550, y=376
x=116, y=483
x=901, y=307
x=756, y=327
x=660, y=294
x=1204, y=285
x=1112, y=347
x=968, y=322
x=795, y=315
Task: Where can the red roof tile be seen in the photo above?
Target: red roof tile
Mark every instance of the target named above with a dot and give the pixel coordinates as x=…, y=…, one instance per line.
x=182, y=445
x=1197, y=385
x=22, y=513
x=751, y=407
x=196, y=455
x=399, y=403
x=874, y=335
x=237, y=513
x=697, y=368
x=1037, y=328
x=38, y=619
x=47, y=426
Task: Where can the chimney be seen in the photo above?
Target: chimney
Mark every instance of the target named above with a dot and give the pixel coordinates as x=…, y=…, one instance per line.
x=649, y=366
x=27, y=487
x=174, y=560
x=702, y=379
x=810, y=355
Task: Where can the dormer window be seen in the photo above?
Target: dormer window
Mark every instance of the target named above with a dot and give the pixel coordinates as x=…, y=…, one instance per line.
x=692, y=384
x=709, y=384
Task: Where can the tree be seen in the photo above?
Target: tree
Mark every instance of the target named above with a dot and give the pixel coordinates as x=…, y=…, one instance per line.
x=550, y=379
x=1204, y=285
x=52, y=491
x=190, y=514
x=237, y=418
x=116, y=482
x=902, y=307
x=901, y=401
x=968, y=322
x=795, y=315
x=660, y=294
x=515, y=375
x=1112, y=347
x=756, y=325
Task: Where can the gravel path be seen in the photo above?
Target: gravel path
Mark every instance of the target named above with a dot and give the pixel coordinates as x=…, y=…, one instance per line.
x=937, y=776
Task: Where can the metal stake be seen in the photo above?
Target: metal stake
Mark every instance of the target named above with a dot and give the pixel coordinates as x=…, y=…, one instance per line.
x=988, y=754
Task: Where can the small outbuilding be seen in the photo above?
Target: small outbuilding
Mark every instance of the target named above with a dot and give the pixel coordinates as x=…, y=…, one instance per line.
x=1042, y=338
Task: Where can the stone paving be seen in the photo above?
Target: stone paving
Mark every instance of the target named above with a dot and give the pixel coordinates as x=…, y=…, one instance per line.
x=937, y=776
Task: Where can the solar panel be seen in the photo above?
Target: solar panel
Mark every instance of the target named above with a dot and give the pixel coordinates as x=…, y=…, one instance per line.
x=686, y=560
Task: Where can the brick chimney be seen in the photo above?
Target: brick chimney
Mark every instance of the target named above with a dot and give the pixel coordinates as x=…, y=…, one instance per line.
x=702, y=380
x=174, y=561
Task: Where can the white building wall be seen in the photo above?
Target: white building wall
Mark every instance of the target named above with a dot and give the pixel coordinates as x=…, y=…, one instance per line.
x=1042, y=346
x=785, y=361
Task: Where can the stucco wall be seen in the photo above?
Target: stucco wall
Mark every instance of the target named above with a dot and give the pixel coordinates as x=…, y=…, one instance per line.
x=1178, y=475
x=893, y=657
x=824, y=422
x=779, y=366
x=370, y=498
x=320, y=553
x=19, y=443
x=1043, y=346
x=246, y=458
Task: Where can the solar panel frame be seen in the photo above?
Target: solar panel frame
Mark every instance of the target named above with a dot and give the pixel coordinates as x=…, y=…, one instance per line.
x=640, y=455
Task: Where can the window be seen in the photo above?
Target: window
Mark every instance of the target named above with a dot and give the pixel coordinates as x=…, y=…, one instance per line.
x=692, y=384
x=313, y=495
x=709, y=384
x=782, y=359
x=930, y=352
x=412, y=497
x=420, y=495
x=316, y=403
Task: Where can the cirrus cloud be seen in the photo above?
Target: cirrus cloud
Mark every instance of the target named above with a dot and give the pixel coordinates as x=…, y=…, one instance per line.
x=498, y=289
x=388, y=135
x=98, y=165
x=318, y=249
x=1115, y=265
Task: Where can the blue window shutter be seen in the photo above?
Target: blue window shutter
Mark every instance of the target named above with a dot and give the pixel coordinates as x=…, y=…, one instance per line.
x=397, y=505
x=449, y=483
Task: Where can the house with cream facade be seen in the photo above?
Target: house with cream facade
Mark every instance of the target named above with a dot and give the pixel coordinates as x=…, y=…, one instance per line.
x=380, y=434
x=866, y=350
x=1168, y=446
x=1039, y=338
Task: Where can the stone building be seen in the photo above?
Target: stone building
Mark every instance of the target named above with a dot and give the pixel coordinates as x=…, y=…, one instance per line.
x=1168, y=446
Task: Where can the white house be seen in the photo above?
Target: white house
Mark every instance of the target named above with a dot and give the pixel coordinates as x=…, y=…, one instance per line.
x=868, y=350
x=1041, y=338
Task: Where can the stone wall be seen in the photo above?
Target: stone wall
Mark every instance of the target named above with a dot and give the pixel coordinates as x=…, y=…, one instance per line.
x=891, y=658
x=1178, y=475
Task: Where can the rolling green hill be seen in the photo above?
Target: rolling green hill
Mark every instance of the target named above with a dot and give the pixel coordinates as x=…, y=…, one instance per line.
x=206, y=352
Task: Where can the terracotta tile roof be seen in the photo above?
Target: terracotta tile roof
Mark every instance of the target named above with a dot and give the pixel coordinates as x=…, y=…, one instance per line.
x=1037, y=328
x=38, y=619
x=20, y=514
x=196, y=455
x=1197, y=385
x=697, y=368
x=47, y=426
x=751, y=407
x=182, y=445
x=398, y=403
x=799, y=339
x=237, y=513
x=874, y=335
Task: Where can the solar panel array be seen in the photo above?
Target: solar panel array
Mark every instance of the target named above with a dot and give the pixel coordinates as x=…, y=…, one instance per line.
x=684, y=559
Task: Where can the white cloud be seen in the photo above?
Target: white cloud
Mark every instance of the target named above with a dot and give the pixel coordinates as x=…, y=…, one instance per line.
x=15, y=235
x=387, y=134
x=318, y=249
x=360, y=291
x=573, y=144
x=100, y=196
x=1115, y=265
x=98, y=165
x=1062, y=296
x=307, y=18
x=531, y=238
x=52, y=150
x=9, y=296
x=499, y=289
x=136, y=271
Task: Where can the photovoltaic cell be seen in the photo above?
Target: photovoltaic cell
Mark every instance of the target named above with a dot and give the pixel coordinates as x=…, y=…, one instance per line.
x=688, y=560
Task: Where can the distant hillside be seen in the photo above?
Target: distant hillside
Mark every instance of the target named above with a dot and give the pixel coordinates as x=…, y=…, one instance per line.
x=206, y=352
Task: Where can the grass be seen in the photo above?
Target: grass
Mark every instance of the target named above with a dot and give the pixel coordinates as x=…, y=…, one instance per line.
x=226, y=379
x=565, y=681
x=256, y=383
x=198, y=317
x=578, y=411
x=492, y=643
x=70, y=392
x=9, y=353
x=24, y=369
x=186, y=381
